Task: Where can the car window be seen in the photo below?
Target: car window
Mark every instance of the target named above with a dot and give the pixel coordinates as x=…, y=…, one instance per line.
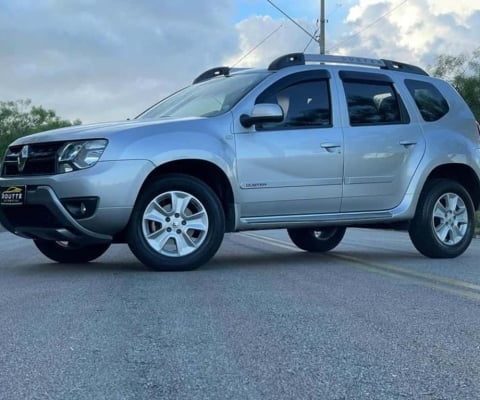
x=372, y=103
x=206, y=99
x=430, y=102
x=305, y=104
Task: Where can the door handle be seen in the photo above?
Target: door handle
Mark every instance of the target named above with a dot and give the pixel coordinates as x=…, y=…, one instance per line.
x=331, y=147
x=408, y=143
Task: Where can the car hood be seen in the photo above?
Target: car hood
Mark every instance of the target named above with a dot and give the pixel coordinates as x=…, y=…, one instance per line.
x=104, y=130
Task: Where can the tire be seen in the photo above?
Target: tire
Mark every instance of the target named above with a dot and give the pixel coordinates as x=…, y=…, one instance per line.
x=444, y=222
x=177, y=224
x=69, y=253
x=317, y=240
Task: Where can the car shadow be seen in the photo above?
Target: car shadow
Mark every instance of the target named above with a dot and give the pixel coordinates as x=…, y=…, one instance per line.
x=261, y=261
x=219, y=262
x=223, y=261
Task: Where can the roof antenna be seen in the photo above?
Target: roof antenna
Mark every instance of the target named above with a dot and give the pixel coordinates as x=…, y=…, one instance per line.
x=321, y=37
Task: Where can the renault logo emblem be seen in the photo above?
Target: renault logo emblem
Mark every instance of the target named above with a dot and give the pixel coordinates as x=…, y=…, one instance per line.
x=23, y=157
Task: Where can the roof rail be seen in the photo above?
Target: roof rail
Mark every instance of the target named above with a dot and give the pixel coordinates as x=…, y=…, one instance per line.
x=211, y=73
x=292, y=59
x=214, y=72
x=402, y=67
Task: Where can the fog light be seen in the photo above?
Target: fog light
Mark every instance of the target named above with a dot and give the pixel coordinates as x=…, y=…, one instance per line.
x=81, y=207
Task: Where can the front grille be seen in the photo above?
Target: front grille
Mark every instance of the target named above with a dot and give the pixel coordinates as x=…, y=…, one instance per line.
x=36, y=159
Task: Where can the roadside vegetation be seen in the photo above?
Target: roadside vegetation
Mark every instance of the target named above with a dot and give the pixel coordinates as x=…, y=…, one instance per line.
x=463, y=73
x=20, y=117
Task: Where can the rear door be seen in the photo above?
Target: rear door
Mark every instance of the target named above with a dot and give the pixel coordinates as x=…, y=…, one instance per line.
x=383, y=147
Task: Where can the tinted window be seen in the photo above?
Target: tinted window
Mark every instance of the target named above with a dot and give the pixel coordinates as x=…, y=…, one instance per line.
x=372, y=103
x=305, y=104
x=430, y=102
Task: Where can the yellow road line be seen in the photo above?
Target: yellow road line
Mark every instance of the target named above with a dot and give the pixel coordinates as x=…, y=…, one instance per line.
x=271, y=241
x=458, y=287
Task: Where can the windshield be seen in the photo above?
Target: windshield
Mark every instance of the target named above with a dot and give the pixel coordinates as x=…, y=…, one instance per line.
x=206, y=99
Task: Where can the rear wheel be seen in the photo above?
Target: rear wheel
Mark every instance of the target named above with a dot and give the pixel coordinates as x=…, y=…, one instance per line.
x=177, y=224
x=317, y=239
x=71, y=253
x=444, y=223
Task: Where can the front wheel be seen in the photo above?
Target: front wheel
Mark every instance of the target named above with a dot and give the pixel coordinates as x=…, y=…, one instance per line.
x=177, y=224
x=317, y=239
x=444, y=223
x=70, y=253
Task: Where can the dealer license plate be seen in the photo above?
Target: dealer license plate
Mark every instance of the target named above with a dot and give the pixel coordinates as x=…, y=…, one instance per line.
x=13, y=195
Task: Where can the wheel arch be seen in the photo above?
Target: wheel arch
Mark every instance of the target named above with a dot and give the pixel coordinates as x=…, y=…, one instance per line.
x=441, y=228
x=462, y=174
x=207, y=172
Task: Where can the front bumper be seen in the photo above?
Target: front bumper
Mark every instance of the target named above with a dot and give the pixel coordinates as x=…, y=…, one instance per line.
x=44, y=217
x=115, y=184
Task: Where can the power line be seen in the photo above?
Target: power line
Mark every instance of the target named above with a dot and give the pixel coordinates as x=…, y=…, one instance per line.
x=320, y=39
x=368, y=26
x=338, y=6
x=257, y=46
x=291, y=19
x=311, y=40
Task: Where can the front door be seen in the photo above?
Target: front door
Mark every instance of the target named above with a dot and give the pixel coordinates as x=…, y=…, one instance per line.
x=294, y=167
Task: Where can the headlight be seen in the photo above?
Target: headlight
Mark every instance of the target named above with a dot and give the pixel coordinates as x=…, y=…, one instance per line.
x=73, y=156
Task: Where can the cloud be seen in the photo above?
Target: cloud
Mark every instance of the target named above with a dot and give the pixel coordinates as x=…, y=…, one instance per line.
x=111, y=59
x=412, y=31
x=273, y=37
x=108, y=59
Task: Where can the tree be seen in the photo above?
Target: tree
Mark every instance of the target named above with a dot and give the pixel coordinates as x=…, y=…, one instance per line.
x=463, y=72
x=19, y=118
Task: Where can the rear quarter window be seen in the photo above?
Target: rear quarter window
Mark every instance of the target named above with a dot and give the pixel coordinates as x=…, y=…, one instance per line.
x=430, y=102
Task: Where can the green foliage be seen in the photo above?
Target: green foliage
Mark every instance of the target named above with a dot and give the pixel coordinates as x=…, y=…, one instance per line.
x=463, y=72
x=19, y=118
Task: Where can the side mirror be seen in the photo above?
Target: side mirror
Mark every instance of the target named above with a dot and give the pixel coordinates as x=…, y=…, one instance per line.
x=262, y=113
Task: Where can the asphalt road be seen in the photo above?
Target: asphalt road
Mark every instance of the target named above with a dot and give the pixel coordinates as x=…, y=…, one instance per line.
x=371, y=320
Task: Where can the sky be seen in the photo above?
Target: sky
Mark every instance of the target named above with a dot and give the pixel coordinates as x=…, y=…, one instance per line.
x=108, y=60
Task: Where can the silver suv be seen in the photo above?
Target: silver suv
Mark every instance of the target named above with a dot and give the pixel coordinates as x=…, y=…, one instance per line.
x=313, y=144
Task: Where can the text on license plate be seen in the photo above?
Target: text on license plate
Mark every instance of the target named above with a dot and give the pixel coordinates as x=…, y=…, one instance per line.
x=13, y=195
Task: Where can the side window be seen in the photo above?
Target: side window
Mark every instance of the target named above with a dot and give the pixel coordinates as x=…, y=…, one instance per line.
x=372, y=103
x=430, y=102
x=305, y=104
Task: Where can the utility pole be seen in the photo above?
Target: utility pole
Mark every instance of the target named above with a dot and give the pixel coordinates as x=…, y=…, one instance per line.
x=321, y=39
